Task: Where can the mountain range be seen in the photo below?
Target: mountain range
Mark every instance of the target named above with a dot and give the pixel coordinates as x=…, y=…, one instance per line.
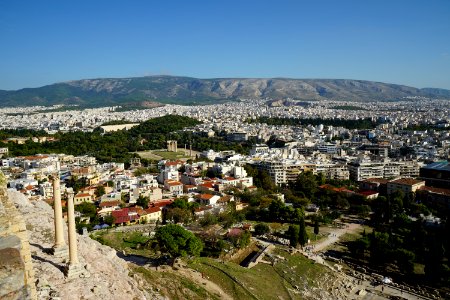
x=147, y=90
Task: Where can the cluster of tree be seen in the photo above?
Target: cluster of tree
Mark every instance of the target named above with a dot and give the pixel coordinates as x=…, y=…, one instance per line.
x=87, y=210
x=215, y=244
x=240, y=240
x=297, y=234
x=275, y=211
x=117, y=146
x=401, y=239
x=180, y=211
x=9, y=133
x=261, y=179
x=405, y=244
x=226, y=218
x=177, y=241
x=425, y=127
x=349, y=124
x=77, y=183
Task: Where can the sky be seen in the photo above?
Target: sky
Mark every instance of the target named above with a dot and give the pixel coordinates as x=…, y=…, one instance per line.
x=395, y=41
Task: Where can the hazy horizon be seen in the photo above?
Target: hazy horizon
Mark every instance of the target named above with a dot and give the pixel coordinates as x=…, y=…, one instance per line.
x=401, y=42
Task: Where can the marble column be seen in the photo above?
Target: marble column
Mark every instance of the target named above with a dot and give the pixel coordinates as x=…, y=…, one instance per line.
x=74, y=269
x=60, y=247
x=73, y=251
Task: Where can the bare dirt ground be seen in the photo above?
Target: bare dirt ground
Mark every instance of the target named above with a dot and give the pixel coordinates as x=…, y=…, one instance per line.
x=150, y=155
x=334, y=235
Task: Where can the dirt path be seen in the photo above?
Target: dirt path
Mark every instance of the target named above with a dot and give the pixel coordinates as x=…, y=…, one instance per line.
x=334, y=236
x=208, y=285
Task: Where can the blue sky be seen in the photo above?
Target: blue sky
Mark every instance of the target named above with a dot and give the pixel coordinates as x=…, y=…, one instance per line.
x=404, y=42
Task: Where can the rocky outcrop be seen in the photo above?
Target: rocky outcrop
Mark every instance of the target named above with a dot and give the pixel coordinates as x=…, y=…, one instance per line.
x=16, y=269
x=109, y=275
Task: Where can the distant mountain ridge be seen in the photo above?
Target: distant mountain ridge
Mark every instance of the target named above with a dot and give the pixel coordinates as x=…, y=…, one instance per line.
x=187, y=90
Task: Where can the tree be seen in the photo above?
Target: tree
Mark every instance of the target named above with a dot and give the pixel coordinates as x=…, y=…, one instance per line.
x=178, y=215
x=100, y=191
x=208, y=219
x=316, y=228
x=293, y=235
x=180, y=203
x=245, y=239
x=307, y=183
x=405, y=260
x=108, y=220
x=142, y=201
x=86, y=208
x=261, y=229
x=178, y=242
x=303, y=235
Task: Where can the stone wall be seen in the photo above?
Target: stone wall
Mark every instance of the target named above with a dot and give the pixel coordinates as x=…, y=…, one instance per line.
x=16, y=269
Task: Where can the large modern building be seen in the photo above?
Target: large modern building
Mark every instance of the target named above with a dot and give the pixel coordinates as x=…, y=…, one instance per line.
x=436, y=174
x=362, y=170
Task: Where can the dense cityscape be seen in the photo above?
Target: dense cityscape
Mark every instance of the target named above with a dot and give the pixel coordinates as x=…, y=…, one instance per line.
x=289, y=164
x=225, y=150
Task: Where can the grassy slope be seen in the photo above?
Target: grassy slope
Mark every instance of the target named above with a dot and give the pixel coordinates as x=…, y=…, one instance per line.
x=262, y=281
x=174, y=286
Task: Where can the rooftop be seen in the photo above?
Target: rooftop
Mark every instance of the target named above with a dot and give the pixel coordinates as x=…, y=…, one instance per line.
x=407, y=181
x=377, y=180
x=434, y=190
x=439, y=165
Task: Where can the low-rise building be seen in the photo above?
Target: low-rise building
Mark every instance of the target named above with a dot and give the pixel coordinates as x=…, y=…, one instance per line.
x=406, y=185
x=152, y=214
x=174, y=187
x=83, y=198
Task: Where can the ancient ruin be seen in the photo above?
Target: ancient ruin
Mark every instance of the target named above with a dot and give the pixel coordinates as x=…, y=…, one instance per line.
x=59, y=248
x=16, y=269
x=172, y=146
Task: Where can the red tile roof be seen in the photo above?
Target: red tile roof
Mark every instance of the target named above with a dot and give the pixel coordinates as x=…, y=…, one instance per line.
x=35, y=157
x=121, y=219
x=367, y=192
x=377, y=180
x=407, y=181
x=205, y=196
x=153, y=210
x=436, y=190
x=82, y=195
x=162, y=203
x=122, y=216
x=120, y=213
x=208, y=185
x=109, y=204
x=174, y=183
x=173, y=163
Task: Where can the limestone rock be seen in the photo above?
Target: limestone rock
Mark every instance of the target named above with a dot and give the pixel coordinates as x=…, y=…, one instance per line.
x=105, y=275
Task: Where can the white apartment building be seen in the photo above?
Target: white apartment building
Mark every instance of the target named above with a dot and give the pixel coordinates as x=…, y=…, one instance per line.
x=259, y=150
x=364, y=170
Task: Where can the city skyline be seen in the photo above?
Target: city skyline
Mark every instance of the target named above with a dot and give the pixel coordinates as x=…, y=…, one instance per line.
x=402, y=42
